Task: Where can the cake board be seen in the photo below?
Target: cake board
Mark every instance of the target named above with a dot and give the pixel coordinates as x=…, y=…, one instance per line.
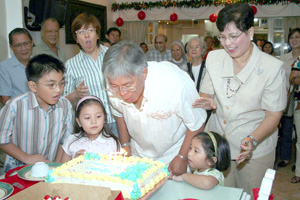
x=157, y=186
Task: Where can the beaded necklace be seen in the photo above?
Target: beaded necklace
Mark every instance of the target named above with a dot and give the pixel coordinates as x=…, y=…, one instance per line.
x=232, y=91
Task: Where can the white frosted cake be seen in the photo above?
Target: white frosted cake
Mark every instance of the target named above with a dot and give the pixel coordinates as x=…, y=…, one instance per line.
x=135, y=177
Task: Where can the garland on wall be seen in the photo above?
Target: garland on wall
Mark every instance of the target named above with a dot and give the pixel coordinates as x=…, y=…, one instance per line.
x=193, y=4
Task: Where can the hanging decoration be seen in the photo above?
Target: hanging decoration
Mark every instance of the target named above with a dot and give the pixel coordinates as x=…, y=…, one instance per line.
x=192, y=4
x=119, y=21
x=213, y=18
x=173, y=17
x=254, y=9
x=141, y=15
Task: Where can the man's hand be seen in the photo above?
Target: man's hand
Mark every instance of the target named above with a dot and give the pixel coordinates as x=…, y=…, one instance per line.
x=177, y=166
x=32, y=159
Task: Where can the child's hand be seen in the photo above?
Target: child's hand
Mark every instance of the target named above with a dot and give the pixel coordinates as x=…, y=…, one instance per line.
x=176, y=178
x=32, y=159
x=80, y=152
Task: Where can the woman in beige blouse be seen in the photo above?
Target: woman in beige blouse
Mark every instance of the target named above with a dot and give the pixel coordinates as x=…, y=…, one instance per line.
x=244, y=88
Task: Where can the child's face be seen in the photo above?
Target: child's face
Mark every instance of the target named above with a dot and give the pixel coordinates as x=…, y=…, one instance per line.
x=197, y=156
x=91, y=119
x=49, y=88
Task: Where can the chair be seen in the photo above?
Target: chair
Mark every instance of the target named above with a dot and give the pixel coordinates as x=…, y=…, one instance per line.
x=266, y=185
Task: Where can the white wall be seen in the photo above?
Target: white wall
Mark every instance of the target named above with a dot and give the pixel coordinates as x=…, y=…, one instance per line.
x=9, y=20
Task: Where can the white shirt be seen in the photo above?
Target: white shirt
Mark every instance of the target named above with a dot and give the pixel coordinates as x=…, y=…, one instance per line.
x=158, y=128
x=101, y=145
x=261, y=88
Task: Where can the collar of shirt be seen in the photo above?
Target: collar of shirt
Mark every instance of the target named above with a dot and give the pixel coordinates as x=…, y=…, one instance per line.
x=83, y=56
x=45, y=46
x=33, y=103
x=244, y=74
x=15, y=62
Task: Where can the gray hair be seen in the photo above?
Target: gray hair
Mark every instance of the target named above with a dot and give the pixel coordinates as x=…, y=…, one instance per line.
x=201, y=42
x=124, y=59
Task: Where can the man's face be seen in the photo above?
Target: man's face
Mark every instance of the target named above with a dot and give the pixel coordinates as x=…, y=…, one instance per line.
x=50, y=33
x=113, y=37
x=160, y=44
x=22, y=47
x=209, y=43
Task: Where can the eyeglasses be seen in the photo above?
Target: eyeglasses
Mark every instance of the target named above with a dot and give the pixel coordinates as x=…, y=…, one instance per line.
x=195, y=47
x=123, y=89
x=24, y=44
x=231, y=38
x=54, y=85
x=83, y=31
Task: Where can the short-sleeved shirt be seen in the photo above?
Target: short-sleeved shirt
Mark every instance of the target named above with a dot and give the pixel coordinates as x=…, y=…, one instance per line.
x=83, y=67
x=13, y=80
x=242, y=99
x=33, y=130
x=158, y=128
x=288, y=60
x=213, y=172
x=154, y=55
x=100, y=145
x=42, y=48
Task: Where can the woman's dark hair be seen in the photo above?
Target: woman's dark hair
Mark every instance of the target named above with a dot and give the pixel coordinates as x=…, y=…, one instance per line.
x=223, y=149
x=241, y=15
x=84, y=20
x=270, y=43
x=106, y=132
x=143, y=43
x=290, y=35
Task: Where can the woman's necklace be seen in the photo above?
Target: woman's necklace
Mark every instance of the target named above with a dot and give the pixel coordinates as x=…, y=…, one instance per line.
x=231, y=92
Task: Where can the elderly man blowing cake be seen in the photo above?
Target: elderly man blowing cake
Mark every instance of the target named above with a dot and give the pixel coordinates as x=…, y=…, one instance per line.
x=152, y=104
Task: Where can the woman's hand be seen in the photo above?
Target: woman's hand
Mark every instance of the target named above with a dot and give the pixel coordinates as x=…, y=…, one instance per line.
x=207, y=103
x=247, y=148
x=82, y=90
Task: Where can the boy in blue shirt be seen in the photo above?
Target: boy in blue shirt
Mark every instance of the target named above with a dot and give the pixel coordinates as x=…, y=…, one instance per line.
x=34, y=125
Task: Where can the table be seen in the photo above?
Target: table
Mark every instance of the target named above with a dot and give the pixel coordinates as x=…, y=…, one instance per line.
x=173, y=190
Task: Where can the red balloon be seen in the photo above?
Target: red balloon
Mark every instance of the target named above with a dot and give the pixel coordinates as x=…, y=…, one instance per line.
x=213, y=18
x=173, y=17
x=119, y=21
x=254, y=9
x=141, y=15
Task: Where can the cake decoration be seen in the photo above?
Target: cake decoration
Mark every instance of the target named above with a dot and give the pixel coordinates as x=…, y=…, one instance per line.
x=134, y=176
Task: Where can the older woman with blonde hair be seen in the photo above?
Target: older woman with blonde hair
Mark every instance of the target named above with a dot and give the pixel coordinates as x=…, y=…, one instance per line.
x=195, y=68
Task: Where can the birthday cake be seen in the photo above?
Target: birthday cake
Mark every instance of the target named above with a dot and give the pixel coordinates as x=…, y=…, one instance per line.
x=135, y=177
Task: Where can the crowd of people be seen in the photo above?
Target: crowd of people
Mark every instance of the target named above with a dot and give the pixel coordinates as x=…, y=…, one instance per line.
x=210, y=114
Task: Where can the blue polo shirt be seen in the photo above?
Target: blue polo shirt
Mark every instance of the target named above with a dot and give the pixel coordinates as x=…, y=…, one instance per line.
x=13, y=80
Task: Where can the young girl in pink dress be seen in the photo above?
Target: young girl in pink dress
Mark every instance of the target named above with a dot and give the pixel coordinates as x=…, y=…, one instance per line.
x=93, y=133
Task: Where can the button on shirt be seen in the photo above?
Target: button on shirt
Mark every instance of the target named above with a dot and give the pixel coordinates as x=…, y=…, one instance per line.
x=83, y=67
x=13, y=80
x=240, y=111
x=32, y=129
x=42, y=48
x=154, y=55
x=158, y=128
x=101, y=145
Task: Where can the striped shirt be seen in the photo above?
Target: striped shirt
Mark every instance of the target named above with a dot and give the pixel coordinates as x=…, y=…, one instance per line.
x=83, y=67
x=155, y=55
x=32, y=129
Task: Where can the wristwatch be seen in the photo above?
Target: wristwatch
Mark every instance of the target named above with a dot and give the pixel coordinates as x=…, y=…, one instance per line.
x=254, y=141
